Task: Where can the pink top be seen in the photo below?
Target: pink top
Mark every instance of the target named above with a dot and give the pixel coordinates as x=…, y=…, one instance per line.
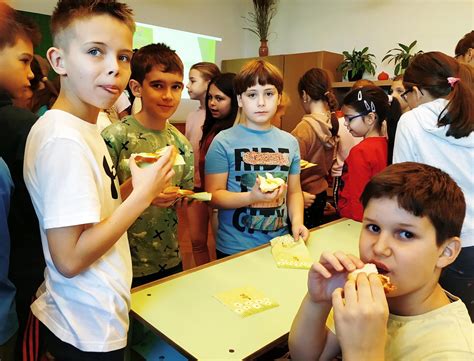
x=194, y=122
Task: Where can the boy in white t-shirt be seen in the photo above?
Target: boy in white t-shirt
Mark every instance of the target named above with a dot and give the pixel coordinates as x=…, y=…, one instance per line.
x=85, y=300
x=413, y=214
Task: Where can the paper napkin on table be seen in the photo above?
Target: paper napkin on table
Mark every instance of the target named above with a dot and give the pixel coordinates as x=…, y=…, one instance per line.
x=289, y=253
x=246, y=301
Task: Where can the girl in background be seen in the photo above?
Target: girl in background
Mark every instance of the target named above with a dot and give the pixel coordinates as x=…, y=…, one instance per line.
x=439, y=131
x=220, y=111
x=396, y=90
x=364, y=110
x=200, y=75
x=317, y=138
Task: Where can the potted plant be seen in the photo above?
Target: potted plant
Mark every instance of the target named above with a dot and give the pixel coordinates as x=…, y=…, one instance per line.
x=401, y=56
x=356, y=64
x=259, y=21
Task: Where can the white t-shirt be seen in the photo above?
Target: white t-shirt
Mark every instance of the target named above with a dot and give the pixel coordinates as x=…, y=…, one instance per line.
x=69, y=175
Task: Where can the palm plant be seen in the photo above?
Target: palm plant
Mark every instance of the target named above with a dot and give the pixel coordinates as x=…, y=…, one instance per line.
x=401, y=56
x=356, y=64
x=259, y=20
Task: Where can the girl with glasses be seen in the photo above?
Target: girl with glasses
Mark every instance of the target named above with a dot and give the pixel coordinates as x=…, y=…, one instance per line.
x=365, y=109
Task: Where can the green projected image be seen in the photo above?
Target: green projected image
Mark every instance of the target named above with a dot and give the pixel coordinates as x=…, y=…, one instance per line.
x=192, y=48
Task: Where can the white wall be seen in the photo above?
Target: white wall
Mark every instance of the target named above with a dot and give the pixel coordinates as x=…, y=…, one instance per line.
x=338, y=25
x=308, y=25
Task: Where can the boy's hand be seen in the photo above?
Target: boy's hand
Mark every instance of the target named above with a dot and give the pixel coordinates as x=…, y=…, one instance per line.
x=299, y=231
x=165, y=200
x=308, y=199
x=360, y=315
x=329, y=274
x=257, y=196
x=153, y=179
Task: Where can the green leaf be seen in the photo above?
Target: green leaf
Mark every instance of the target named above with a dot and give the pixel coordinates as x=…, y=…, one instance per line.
x=404, y=47
x=412, y=45
x=397, y=69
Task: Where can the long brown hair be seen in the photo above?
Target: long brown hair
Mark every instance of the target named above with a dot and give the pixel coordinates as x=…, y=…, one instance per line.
x=316, y=83
x=430, y=72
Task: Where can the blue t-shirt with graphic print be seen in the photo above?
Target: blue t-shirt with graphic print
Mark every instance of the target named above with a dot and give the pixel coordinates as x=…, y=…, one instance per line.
x=244, y=153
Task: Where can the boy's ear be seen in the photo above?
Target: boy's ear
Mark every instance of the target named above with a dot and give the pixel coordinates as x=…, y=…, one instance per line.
x=239, y=100
x=449, y=252
x=56, y=59
x=136, y=88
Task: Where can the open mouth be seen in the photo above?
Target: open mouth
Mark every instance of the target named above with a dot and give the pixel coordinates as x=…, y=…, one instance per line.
x=381, y=268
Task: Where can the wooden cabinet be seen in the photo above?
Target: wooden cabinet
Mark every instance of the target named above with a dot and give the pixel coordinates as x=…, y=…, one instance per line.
x=342, y=88
x=293, y=66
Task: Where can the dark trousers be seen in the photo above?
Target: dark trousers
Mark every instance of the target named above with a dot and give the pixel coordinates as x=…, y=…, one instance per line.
x=220, y=255
x=314, y=214
x=458, y=278
x=62, y=351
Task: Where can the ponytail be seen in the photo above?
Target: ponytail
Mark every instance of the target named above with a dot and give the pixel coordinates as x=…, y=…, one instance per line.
x=316, y=83
x=459, y=113
x=333, y=106
x=430, y=72
x=393, y=116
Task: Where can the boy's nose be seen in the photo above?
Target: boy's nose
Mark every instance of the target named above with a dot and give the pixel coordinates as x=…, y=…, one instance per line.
x=382, y=245
x=261, y=100
x=30, y=74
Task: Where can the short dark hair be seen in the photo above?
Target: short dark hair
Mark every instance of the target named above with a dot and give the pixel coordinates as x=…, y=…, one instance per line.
x=259, y=71
x=14, y=25
x=464, y=44
x=421, y=190
x=67, y=11
x=146, y=58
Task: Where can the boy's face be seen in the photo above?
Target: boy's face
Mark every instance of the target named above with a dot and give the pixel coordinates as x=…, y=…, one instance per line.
x=401, y=245
x=95, y=61
x=15, y=71
x=259, y=104
x=160, y=93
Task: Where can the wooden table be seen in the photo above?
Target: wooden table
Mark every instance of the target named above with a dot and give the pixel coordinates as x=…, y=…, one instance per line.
x=182, y=310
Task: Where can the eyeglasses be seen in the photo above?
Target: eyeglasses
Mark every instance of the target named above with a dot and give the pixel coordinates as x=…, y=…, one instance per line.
x=405, y=93
x=350, y=118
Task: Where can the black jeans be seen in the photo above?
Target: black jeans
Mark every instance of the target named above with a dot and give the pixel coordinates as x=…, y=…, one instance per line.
x=63, y=351
x=314, y=214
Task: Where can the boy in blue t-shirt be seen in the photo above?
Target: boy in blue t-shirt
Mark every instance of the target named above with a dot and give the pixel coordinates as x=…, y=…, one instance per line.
x=249, y=217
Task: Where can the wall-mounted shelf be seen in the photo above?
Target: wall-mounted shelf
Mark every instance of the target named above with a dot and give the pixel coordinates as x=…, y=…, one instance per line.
x=349, y=84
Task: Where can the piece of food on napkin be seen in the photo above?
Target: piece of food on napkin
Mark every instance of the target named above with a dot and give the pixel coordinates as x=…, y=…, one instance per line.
x=289, y=253
x=372, y=268
x=145, y=159
x=269, y=183
x=304, y=164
